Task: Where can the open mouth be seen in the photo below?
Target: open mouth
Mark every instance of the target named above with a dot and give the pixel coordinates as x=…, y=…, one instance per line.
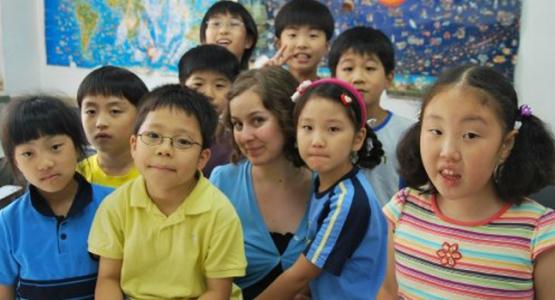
x=450, y=177
x=223, y=42
x=302, y=57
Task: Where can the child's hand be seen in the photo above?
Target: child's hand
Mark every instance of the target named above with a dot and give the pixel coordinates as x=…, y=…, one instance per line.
x=281, y=57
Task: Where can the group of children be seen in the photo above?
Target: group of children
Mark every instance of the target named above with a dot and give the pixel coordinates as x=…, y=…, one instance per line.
x=301, y=170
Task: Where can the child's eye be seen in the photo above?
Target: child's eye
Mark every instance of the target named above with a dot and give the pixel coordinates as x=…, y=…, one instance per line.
x=183, y=143
x=306, y=127
x=57, y=147
x=347, y=69
x=334, y=129
x=26, y=154
x=470, y=135
x=90, y=111
x=221, y=86
x=115, y=111
x=435, y=131
x=292, y=35
x=314, y=35
x=371, y=69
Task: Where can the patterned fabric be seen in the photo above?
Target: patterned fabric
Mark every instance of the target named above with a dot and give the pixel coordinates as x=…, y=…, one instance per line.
x=439, y=258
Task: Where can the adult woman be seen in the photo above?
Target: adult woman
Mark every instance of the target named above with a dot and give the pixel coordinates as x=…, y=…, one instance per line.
x=266, y=181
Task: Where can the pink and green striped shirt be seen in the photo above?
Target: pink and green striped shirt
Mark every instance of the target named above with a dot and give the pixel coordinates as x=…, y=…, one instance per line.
x=440, y=258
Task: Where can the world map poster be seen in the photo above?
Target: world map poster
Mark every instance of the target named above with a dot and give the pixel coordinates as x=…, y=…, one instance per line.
x=150, y=35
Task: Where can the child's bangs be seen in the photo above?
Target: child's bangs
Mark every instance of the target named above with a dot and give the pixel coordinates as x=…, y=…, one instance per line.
x=35, y=122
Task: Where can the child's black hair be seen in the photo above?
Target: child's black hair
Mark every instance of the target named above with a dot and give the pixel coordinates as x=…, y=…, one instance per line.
x=531, y=164
x=368, y=157
x=237, y=10
x=182, y=98
x=274, y=86
x=305, y=12
x=363, y=41
x=112, y=81
x=27, y=118
x=212, y=58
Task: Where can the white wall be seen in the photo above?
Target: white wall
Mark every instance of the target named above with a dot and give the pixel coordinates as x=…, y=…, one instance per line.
x=26, y=69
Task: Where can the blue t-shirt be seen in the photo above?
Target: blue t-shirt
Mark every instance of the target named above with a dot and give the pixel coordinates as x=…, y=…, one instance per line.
x=235, y=181
x=45, y=256
x=348, y=240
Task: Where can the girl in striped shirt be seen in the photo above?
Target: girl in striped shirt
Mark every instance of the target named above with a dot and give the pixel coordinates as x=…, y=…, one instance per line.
x=464, y=229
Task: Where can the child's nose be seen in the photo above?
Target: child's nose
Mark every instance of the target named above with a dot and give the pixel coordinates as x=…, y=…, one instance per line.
x=101, y=120
x=45, y=163
x=318, y=140
x=358, y=76
x=165, y=148
x=450, y=149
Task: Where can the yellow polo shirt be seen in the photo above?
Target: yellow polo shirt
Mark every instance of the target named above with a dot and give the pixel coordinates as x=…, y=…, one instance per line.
x=90, y=169
x=169, y=256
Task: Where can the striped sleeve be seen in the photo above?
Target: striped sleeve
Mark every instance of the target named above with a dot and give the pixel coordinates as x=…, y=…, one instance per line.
x=544, y=236
x=343, y=225
x=393, y=209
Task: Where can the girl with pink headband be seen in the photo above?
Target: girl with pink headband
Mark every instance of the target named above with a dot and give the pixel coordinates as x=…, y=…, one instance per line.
x=345, y=257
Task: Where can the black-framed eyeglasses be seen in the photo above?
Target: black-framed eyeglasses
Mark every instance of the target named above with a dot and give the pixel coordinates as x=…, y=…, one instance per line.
x=181, y=142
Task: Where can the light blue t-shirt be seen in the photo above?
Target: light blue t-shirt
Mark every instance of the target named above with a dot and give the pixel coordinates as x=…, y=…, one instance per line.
x=235, y=181
x=384, y=177
x=348, y=240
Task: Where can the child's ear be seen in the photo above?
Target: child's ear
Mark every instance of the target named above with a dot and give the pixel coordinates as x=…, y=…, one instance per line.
x=203, y=158
x=507, y=145
x=277, y=43
x=249, y=41
x=389, y=79
x=359, y=139
x=133, y=145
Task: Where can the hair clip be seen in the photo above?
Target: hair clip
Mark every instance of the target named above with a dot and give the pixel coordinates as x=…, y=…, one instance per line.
x=525, y=110
x=300, y=90
x=369, y=145
x=345, y=99
x=371, y=122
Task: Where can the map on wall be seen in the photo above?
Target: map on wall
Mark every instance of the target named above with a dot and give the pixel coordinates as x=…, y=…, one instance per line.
x=151, y=35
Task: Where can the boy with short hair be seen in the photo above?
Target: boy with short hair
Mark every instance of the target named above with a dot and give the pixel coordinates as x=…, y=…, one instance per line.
x=108, y=98
x=210, y=70
x=303, y=30
x=169, y=233
x=365, y=57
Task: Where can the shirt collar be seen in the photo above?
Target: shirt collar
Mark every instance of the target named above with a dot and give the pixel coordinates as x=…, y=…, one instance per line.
x=350, y=174
x=82, y=198
x=195, y=203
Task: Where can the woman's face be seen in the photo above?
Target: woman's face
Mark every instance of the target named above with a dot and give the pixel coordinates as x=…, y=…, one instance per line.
x=256, y=130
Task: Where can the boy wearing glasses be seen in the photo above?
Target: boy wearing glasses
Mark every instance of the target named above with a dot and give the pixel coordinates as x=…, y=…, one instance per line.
x=169, y=233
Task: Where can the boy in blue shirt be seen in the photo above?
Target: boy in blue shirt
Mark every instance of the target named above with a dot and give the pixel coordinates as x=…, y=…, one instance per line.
x=364, y=57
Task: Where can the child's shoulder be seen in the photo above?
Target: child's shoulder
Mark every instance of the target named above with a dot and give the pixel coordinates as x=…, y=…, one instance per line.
x=17, y=208
x=408, y=199
x=398, y=122
x=531, y=210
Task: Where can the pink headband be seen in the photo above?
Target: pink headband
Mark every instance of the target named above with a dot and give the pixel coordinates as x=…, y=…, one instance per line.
x=307, y=84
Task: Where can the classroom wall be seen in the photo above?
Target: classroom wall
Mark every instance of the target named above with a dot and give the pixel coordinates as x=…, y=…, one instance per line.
x=26, y=70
